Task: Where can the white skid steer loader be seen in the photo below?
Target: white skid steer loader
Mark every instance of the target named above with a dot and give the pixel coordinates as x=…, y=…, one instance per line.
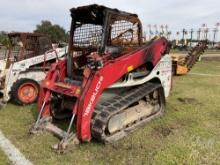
x=29, y=57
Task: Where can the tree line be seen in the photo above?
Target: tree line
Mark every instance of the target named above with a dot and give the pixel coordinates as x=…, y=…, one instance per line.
x=56, y=33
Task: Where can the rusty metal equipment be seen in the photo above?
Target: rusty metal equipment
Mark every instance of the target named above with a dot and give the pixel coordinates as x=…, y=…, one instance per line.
x=25, y=64
x=110, y=83
x=182, y=64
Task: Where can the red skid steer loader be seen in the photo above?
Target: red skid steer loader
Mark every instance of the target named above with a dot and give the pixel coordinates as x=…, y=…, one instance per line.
x=111, y=81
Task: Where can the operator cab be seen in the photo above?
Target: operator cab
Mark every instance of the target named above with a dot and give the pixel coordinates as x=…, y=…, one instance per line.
x=27, y=45
x=101, y=30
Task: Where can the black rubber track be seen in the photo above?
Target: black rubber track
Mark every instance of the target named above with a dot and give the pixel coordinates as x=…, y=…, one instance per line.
x=105, y=110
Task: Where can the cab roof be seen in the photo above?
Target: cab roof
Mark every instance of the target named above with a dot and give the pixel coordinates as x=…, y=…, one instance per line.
x=95, y=14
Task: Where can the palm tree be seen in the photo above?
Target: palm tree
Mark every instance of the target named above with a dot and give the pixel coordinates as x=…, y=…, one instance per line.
x=206, y=33
x=166, y=27
x=162, y=30
x=199, y=34
x=183, y=38
x=168, y=35
x=215, y=31
x=177, y=38
x=155, y=29
x=191, y=36
x=150, y=31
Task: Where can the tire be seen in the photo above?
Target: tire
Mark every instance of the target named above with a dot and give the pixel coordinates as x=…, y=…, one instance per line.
x=20, y=93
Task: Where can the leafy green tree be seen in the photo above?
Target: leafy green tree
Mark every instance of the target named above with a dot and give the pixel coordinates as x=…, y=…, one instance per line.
x=55, y=32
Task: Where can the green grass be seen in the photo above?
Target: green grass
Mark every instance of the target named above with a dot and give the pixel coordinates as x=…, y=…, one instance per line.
x=204, y=67
x=184, y=51
x=3, y=158
x=186, y=134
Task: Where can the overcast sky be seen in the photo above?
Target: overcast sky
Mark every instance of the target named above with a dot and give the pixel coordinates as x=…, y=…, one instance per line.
x=23, y=15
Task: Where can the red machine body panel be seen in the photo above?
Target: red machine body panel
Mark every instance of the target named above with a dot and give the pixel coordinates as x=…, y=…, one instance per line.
x=95, y=81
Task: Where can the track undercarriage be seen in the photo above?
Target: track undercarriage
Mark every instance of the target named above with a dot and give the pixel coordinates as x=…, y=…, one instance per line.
x=114, y=118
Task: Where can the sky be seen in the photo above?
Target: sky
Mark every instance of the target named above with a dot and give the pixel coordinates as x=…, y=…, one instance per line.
x=23, y=15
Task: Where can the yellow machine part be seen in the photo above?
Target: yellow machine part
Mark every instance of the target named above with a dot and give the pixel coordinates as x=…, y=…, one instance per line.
x=178, y=57
x=181, y=70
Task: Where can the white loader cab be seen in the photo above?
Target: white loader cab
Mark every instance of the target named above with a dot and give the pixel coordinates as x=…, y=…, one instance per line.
x=25, y=65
